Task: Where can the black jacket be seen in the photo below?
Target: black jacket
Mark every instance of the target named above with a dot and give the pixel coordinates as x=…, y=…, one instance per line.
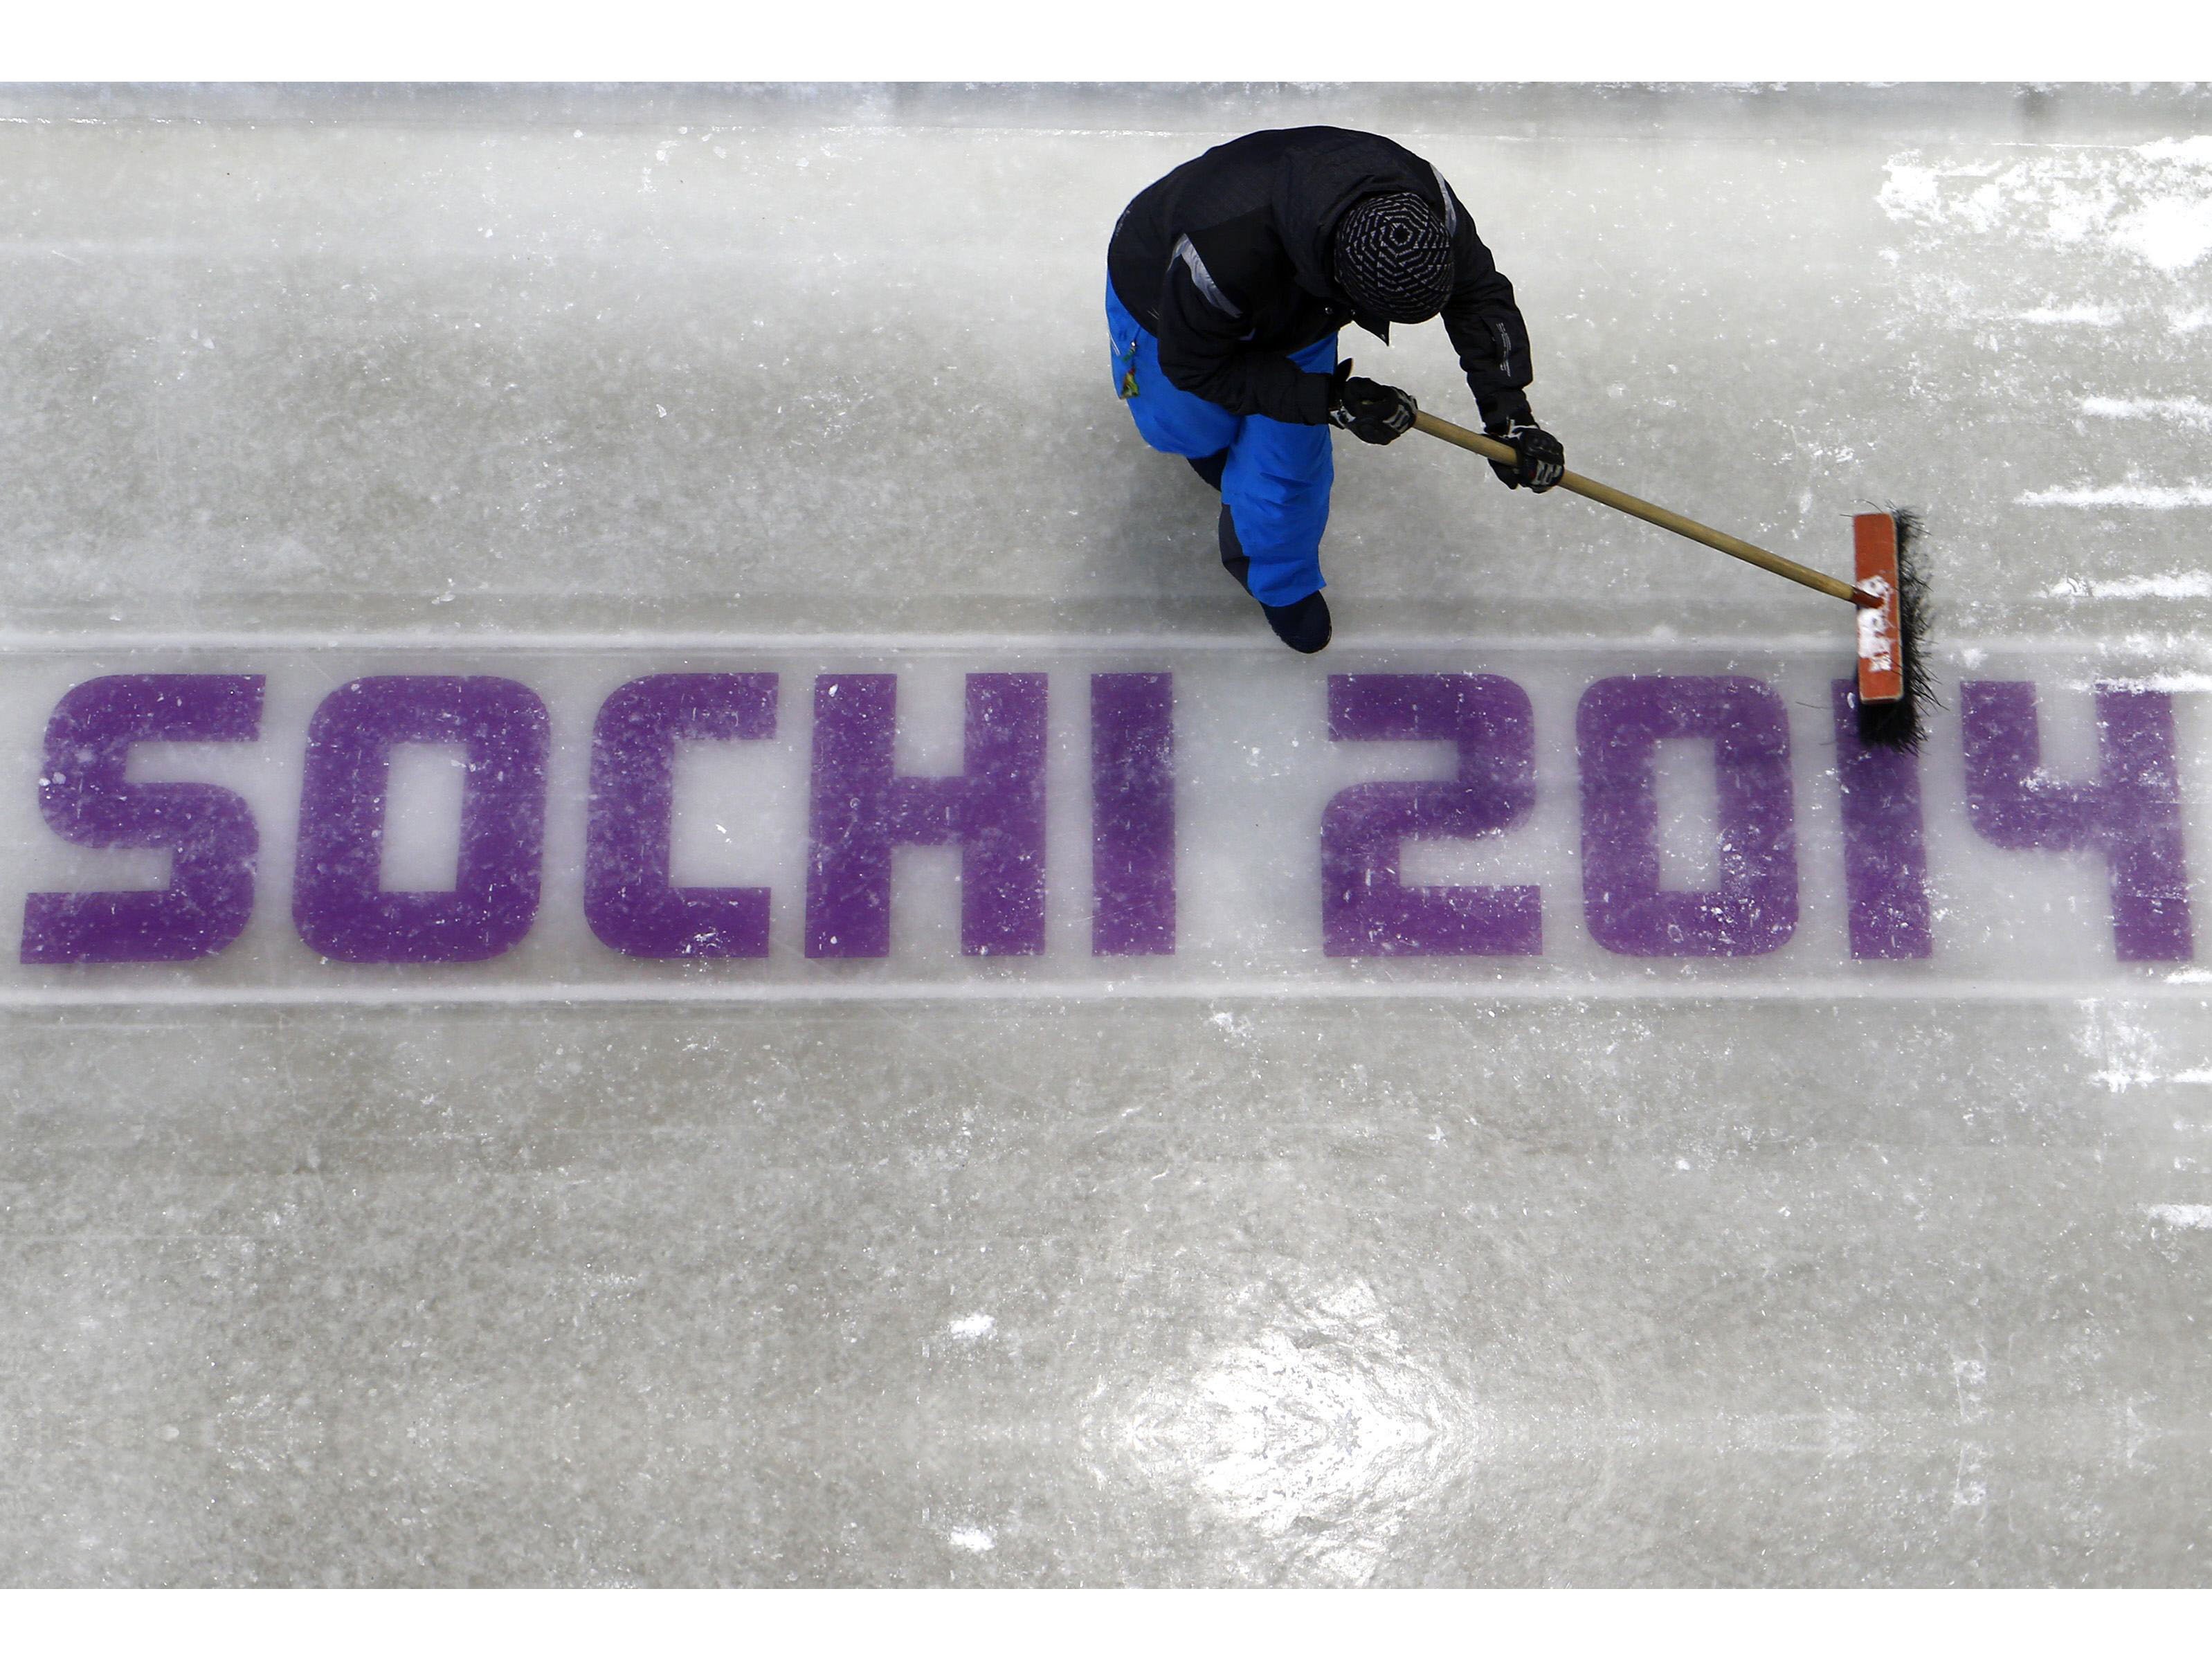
x=1229, y=261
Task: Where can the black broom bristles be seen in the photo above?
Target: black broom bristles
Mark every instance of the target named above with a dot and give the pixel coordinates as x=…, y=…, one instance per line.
x=1900, y=725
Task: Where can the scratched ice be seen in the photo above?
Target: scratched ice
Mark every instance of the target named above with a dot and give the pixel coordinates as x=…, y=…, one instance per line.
x=672, y=927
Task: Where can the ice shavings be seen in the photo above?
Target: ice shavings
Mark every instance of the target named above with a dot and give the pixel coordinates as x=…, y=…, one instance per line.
x=972, y=1327
x=2127, y=1053
x=1911, y=192
x=2151, y=202
x=2196, y=148
x=1874, y=630
x=2170, y=234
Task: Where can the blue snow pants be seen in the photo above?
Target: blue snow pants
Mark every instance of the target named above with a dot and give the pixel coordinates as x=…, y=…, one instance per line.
x=1277, y=480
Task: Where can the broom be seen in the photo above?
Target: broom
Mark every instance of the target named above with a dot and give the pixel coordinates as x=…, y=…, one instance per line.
x=1891, y=592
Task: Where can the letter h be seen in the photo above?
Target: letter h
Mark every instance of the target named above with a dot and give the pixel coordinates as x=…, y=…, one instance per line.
x=862, y=809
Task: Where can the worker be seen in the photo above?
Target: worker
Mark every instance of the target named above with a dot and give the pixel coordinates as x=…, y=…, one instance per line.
x=1227, y=283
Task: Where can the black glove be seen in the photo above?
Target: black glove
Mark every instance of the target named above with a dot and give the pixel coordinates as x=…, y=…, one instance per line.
x=1371, y=410
x=1543, y=458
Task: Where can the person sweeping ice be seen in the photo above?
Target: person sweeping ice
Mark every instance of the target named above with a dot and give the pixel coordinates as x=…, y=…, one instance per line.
x=1228, y=281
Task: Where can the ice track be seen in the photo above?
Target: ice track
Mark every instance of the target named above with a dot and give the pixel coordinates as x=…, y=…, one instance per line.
x=919, y=1046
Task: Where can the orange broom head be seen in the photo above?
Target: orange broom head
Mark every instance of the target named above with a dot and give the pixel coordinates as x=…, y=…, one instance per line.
x=1881, y=631
x=1892, y=682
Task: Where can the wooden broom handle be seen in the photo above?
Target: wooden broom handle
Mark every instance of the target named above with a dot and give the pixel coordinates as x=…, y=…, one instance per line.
x=1637, y=507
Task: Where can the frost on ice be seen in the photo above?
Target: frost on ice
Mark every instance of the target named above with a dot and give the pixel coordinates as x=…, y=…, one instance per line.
x=2152, y=201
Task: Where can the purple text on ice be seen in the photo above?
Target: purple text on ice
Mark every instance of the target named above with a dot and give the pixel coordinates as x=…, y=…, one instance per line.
x=209, y=832
x=629, y=899
x=2129, y=817
x=2130, y=814
x=339, y=904
x=862, y=809
x=1365, y=910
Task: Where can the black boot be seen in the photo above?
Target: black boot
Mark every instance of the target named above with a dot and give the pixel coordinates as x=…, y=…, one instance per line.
x=1209, y=467
x=1303, y=624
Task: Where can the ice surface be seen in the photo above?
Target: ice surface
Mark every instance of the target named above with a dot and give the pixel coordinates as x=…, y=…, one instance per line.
x=1857, y=1243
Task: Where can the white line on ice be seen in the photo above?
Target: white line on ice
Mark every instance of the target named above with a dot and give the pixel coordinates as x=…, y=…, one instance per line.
x=2102, y=317
x=2190, y=411
x=2146, y=684
x=1245, y=641
x=2161, y=496
x=2172, y=987
x=1097, y=643
x=2174, y=584
x=2181, y=1216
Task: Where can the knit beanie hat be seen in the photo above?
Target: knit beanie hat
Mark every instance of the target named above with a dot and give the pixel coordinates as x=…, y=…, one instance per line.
x=1393, y=259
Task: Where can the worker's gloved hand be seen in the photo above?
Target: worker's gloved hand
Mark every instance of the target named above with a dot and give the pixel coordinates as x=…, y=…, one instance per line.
x=1367, y=409
x=1543, y=458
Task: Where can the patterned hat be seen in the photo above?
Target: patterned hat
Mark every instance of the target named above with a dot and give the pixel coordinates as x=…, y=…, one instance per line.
x=1393, y=257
